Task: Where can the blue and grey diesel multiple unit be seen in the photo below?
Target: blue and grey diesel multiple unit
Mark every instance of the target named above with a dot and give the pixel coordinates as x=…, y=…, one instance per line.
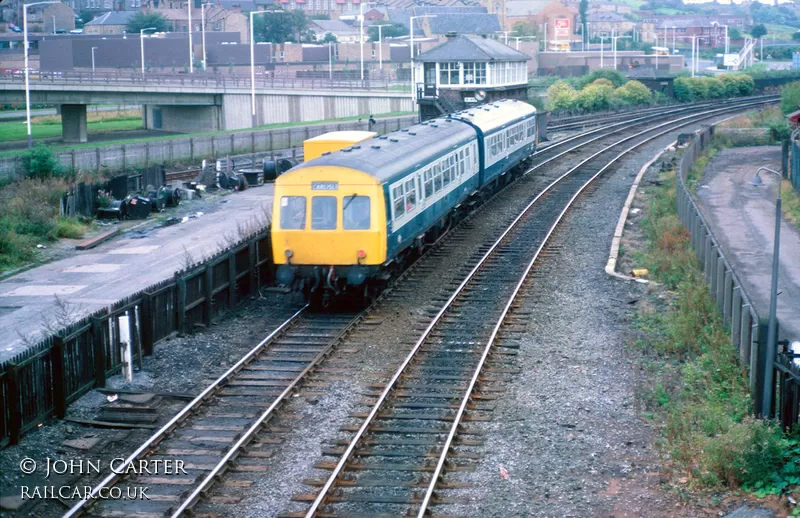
x=372, y=205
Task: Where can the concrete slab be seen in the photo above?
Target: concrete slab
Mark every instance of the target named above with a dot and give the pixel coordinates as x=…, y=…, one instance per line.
x=92, y=280
x=742, y=218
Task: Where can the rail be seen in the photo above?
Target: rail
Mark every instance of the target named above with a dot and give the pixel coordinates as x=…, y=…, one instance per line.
x=580, y=171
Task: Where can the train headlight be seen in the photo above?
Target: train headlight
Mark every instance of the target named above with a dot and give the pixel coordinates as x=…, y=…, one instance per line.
x=362, y=254
x=288, y=253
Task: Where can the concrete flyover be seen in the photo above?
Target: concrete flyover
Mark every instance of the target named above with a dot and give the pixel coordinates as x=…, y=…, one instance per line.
x=189, y=103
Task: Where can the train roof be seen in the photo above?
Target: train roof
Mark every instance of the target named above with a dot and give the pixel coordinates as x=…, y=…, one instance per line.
x=344, y=136
x=397, y=152
x=491, y=116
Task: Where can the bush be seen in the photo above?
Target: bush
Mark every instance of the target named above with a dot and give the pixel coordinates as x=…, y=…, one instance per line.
x=602, y=82
x=617, y=78
x=714, y=87
x=561, y=96
x=790, y=98
x=633, y=92
x=41, y=162
x=67, y=228
x=595, y=97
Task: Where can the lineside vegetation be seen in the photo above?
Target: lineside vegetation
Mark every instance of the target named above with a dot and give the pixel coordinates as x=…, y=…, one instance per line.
x=696, y=389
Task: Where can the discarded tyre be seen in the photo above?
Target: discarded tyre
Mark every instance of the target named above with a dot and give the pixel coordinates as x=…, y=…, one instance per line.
x=137, y=207
x=174, y=198
x=113, y=211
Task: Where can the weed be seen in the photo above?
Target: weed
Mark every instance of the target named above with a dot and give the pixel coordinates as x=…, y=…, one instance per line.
x=790, y=203
x=70, y=228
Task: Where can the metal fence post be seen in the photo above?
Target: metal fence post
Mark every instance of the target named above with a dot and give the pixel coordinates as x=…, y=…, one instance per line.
x=761, y=366
x=14, y=406
x=727, y=299
x=208, y=285
x=736, y=320
x=253, y=256
x=232, y=279
x=59, y=377
x=181, y=303
x=146, y=316
x=720, y=282
x=99, y=349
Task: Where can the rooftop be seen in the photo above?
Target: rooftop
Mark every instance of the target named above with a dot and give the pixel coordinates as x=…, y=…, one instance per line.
x=112, y=18
x=472, y=48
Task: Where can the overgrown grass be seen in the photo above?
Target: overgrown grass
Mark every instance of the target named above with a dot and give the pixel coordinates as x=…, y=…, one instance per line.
x=17, y=130
x=187, y=135
x=107, y=116
x=29, y=216
x=698, y=388
x=790, y=203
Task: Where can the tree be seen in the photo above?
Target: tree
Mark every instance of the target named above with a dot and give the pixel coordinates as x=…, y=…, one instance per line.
x=796, y=35
x=85, y=17
x=41, y=162
x=734, y=34
x=525, y=29
x=759, y=30
x=583, y=9
x=142, y=20
x=617, y=78
x=389, y=31
x=647, y=47
x=595, y=97
x=329, y=38
x=280, y=26
x=790, y=98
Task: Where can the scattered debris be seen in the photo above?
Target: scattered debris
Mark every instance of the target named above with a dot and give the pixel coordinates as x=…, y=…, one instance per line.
x=504, y=473
x=640, y=272
x=112, y=398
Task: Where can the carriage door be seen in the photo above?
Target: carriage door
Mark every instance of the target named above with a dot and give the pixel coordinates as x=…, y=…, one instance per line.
x=430, y=79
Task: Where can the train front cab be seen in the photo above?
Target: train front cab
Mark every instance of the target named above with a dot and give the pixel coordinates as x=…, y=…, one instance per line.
x=328, y=228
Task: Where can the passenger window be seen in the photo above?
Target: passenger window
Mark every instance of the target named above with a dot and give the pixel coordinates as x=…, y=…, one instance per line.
x=399, y=203
x=411, y=195
x=356, y=213
x=323, y=213
x=437, y=179
x=446, y=174
x=428, y=184
x=293, y=212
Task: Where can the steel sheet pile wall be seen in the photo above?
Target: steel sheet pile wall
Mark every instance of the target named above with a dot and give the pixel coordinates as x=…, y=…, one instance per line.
x=195, y=149
x=747, y=329
x=42, y=381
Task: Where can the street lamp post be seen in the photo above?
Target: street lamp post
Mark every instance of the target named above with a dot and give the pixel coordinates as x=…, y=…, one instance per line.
x=411, y=41
x=191, y=50
x=361, y=34
x=27, y=72
x=253, y=63
x=772, y=335
x=93, y=49
x=602, y=46
x=614, y=48
x=54, y=24
x=380, y=45
x=141, y=43
x=203, y=32
x=673, y=39
x=330, y=60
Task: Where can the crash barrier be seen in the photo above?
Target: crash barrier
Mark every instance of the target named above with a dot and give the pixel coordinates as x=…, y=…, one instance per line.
x=747, y=329
x=194, y=149
x=42, y=381
x=81, y=198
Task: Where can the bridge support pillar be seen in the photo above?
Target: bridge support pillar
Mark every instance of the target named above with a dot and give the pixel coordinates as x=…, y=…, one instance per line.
x=73, y=123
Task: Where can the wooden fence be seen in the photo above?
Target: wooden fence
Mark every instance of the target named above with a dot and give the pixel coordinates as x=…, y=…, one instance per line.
x=748, y=330
x=45, y=379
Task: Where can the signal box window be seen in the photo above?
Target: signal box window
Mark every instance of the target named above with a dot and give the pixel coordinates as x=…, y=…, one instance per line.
x=323, y=213
x=293, y=212
x=356, y=213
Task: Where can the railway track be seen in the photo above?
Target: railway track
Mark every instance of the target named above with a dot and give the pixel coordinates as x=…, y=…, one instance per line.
x=227, y=428
x=416, y=429
x=583, y=121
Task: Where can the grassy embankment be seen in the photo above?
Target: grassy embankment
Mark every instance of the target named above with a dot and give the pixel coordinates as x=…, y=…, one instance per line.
x=50, y=125
x=695, y=387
